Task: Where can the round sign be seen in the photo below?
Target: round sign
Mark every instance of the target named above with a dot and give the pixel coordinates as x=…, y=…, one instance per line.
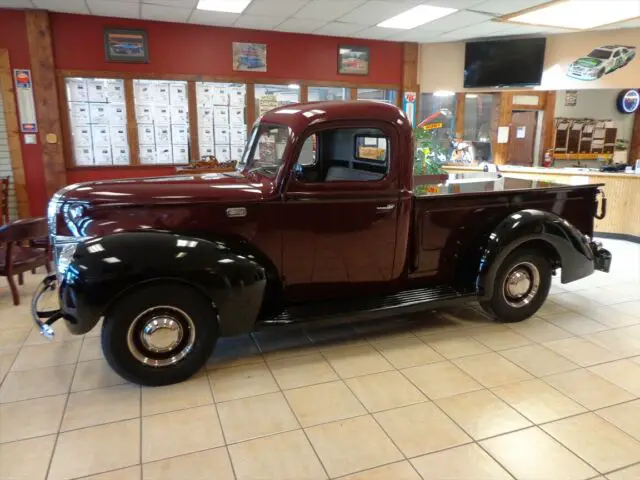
x=628, y=101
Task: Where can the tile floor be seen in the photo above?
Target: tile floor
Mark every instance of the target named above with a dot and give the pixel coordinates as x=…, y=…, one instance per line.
x=447, y=395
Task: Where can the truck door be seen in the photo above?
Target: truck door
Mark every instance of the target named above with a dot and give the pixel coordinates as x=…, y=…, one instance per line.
x=341, y=209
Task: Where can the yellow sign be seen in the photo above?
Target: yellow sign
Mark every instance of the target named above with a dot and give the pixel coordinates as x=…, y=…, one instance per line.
x=433, y=126
x=371, y=153
x=582, y=156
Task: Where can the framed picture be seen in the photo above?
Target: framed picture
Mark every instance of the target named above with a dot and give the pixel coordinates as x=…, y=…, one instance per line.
x=125, y=45
x=353, y=60
x=249, y=57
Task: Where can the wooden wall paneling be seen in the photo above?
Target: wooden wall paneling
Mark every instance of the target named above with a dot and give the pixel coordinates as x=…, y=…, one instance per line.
x=501, y=150
x=459, y=131
x=132, y=123
x=410, y=67
x=304, y=93
x=548, y=123
x=194, y=128
x=250, y=104
x=353, y=93
x=634, y=145
x=65, y=123
x=13, y=134
x=46, y=98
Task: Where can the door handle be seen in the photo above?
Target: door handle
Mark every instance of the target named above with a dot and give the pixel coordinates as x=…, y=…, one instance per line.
x=386, y=208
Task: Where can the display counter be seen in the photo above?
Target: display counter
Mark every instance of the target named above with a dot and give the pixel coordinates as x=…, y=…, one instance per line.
x=621, y=189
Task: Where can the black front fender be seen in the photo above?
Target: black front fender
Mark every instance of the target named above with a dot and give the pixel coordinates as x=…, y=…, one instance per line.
x=103, y=269
x=569, y=246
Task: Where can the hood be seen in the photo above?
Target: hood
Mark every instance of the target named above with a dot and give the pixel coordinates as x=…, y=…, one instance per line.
x=177, y=189
x=588, y=62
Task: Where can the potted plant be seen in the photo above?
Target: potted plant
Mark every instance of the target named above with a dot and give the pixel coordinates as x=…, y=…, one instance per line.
x=621, y=152
x=428, y=158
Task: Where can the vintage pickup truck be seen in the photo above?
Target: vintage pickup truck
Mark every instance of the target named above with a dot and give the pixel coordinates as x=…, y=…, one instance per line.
x=321, y=223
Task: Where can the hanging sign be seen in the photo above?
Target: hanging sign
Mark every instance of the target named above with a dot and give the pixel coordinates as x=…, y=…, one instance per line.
x=409, y=106
x=433, y=126
x=26, y=104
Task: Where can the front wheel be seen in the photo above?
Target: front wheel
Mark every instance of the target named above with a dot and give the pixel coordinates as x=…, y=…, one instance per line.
x=160, y=334
x=521, y=286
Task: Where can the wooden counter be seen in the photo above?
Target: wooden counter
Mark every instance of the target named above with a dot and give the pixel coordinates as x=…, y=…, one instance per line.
x=622, y=191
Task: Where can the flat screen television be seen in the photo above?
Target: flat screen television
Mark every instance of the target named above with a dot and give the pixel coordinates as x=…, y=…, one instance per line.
x=504, y=63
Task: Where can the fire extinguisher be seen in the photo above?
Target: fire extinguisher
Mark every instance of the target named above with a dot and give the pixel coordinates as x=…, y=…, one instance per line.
x=548, y=159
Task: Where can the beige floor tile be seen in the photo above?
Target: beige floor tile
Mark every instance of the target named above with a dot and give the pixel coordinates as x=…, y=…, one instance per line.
x=611, y=317
x=62, y=335
x=91, y=349
x=491, y=369
x=623, y=373
x=581, y=351
x=176, y=433
x=13, y=337
x=630, y=473
x=253, y=417
x=323, y=403
x=539, y=330
x=619, y=341
x=234, y=352
x=102, y=405
x=382, y=391
x=206, y=465
x=575, y=302
x=454, y=344
x=538, y=401
x=499, y=337
x=285, y=456
x=304, y=370
x=408, y=351
x=533, y=455
x=195, y=392
x=95, y=374
x=467, y=462
x=482, y=414
x=538, y=360
x=39, y=382
x=588, y=389
x=393, y=471
x=242, y=381
x=49, y=355
x=625, y=416
x=551, y=308
x=348, y=446
x=576, y=323
x=421, y=428
x=95, y=450
x=30, y=418
x=26, y=459
x=629, y=308
x=441, y=379
x=596, y=441
x=131, y=473
x=7, y=356
x=280, y=345
x=354, y=360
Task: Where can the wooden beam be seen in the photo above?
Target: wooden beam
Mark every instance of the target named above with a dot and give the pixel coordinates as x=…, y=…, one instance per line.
x=353, y=93
x=548, y=130
x=132, y=123
x=501, y=150
x=304, y=93
x=194, y=128
x=410, y=57
x=459, y=133
x=43, y=74
x=634, y=144
x=13, y=134
x=250, y=105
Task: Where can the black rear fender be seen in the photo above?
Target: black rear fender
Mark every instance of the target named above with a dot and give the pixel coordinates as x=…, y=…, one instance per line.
x=104, y=269
x=563, y=245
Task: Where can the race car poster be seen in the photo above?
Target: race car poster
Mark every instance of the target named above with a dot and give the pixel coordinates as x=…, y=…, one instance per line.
x=249, y=57
x=601, y=61
x=125, y=46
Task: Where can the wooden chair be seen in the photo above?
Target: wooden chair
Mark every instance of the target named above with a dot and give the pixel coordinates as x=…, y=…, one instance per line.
x=17, y=255
x=4, y=198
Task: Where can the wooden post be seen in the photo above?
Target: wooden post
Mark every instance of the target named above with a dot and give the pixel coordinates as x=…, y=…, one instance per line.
x=43, y=75
x=132, y=123
x=304, y=93
x=250, y=104
x=501, y=150
x=13, y=134
x=410, y=54
x=353, y=93
x=459, y=133
x=634, y=144
x=548, y=130
x=194, y=128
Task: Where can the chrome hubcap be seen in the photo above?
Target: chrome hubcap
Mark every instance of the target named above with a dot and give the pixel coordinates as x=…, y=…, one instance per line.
x=521, y=284
x=161, y=336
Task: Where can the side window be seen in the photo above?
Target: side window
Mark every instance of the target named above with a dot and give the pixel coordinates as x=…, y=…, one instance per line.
x=617, y=54
x=307, y=156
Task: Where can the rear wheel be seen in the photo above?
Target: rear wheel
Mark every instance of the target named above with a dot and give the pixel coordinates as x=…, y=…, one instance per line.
x=521, y=286
x=159, y=335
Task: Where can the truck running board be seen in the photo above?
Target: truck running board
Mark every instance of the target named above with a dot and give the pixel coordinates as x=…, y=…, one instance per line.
x=365, y=308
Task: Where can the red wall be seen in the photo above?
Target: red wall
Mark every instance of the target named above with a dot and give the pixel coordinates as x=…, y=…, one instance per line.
x=13, y=36
x=182, y=49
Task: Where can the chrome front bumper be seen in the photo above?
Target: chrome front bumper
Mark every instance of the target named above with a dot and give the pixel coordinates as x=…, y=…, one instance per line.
x=45, y=318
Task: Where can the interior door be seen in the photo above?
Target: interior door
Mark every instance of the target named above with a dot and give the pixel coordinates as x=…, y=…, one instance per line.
x=341, y=215
x=522, y=138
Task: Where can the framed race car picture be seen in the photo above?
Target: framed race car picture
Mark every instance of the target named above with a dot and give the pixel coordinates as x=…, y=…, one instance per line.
x=353, y=60
x=601, y=61
x=125, y=45
x=249, y=57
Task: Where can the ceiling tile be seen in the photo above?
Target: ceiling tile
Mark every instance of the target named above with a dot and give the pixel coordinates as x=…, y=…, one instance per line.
x=379, y=33
x=414, y=35
x=68, y=6
x=114, y=8
x=16, y=4
x=299, y=25
x=457, y=4
x=502, y=7
x=327, y=9
x=481, y=30
x=258, y=22
x=517, y=29
x=164, y=14
x=204, y=17
x=375, y=11
x=284, y=8
x=455, y=21
x=339, y=29
x=191, y=4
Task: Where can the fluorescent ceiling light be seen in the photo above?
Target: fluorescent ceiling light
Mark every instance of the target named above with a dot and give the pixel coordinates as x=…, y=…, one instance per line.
x=580, y=14
x=417, y=16
x=228, y=6
x=443, y=93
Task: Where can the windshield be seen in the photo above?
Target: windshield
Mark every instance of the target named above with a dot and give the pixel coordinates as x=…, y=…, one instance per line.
x=601, y=54
x=265, y=150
